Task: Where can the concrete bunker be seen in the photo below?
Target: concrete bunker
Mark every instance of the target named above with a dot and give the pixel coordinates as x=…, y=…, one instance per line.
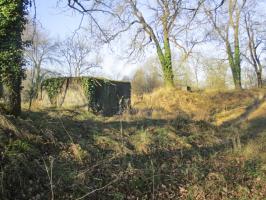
x=100, y=96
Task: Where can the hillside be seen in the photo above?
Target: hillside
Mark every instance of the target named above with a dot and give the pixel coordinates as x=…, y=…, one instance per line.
x=173, y=145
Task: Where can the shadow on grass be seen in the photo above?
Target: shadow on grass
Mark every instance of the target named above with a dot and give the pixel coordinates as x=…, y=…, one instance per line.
x=249, y=110
x=157, y=174
x=255, y=128
x=89, y=128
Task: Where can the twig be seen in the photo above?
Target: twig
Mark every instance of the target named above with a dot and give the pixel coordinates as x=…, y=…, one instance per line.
x=50, y=175
x=153, y=181
x=71, y=139
x=98, y=189
x=2, y=182
x=97, y=164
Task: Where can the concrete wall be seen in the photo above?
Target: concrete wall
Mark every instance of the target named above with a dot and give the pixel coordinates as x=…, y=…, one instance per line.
x=71, y=96
x=110, y=97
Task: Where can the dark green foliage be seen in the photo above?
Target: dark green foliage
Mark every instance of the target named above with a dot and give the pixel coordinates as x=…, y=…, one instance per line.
x=12, y=21
x=1, y=90
x=53, y=87
x=252, y=167
x=89, y=89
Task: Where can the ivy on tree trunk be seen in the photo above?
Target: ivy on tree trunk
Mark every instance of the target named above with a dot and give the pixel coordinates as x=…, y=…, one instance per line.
x=165, y=56
x=12, y=21
x=235, y=65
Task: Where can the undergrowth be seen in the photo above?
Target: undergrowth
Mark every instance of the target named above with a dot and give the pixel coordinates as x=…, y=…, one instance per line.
x=66, y=154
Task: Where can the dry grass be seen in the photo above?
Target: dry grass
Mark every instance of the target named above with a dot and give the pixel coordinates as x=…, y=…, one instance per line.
x=214, y=106
x=141, y=142
x=108, y=143
x=161, y=150
x=6, y=124
x=173, y=101
x=228, y=115
x=261, y=111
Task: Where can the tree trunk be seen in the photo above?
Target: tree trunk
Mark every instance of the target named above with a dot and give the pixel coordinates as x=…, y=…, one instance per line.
x=1, y=90
x=38, y=81
x=168, y=74
x=13, y=98
x=259, y=78
x=236, y=73
x=167, y=70
x=167, y=65
x=164, y=54
x=237, y=76
x=11, y=54
x=235, y=65
x=237, y=62
x=234, y=55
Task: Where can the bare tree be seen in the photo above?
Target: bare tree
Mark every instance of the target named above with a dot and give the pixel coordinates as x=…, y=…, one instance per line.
x=39, y=52
x=249, y=77
x=226, y=23
x=215, y=72
x=255, y=42
x=146, y=22
x=183, y=71
x=77, y=53
x=196, y=68
x=147, y=78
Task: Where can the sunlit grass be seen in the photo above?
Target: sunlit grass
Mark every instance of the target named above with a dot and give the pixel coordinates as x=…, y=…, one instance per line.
x=162, y=143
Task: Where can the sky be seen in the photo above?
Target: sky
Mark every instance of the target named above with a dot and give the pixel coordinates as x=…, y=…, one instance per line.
x=61, y=22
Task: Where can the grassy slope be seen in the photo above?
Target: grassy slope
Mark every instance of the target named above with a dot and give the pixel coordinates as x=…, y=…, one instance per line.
x=172, y=147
